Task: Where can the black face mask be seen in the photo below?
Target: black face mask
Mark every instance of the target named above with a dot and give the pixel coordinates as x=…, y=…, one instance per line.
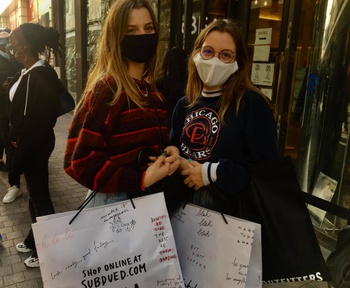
x=139, y=48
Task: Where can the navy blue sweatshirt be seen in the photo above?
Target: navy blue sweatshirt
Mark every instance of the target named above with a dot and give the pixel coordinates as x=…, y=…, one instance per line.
x=247, y=137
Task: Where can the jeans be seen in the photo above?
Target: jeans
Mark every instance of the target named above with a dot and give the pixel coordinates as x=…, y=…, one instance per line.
x=105, y=198
x=36, y=174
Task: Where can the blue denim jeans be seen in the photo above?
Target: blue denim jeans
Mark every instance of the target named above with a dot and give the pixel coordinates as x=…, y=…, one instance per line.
x=105, y=198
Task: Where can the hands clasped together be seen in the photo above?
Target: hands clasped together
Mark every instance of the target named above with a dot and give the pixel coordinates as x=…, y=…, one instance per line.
x=163, y=166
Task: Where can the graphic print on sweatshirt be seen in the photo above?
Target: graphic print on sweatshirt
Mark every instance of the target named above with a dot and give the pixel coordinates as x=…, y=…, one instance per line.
x=200, y=134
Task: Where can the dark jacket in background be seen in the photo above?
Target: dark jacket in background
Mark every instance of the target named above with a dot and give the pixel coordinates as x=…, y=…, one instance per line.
x=33, y=113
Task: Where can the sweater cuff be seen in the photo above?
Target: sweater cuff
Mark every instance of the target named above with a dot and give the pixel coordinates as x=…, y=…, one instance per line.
x=209, y=175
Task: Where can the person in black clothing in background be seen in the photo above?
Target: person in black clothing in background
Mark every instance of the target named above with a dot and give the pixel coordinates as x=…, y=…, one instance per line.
x=5, y=71
x=34, y=103
x=8, y=68
x=172, y=78
x=223, y=121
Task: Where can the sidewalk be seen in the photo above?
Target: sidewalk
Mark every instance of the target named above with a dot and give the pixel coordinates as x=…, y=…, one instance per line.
x=66, y=195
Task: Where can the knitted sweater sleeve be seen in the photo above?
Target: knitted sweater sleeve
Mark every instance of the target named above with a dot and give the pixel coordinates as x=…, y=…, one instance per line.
x=89, y=158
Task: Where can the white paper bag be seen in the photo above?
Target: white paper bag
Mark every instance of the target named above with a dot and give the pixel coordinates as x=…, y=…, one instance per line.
x=214, y=253
x=114, y=245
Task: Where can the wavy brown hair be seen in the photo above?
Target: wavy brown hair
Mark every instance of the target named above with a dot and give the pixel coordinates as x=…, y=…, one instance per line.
x=236, y=86
x=109, y=60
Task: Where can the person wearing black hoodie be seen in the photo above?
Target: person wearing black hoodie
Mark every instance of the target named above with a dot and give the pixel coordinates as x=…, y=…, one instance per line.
x=34, y=103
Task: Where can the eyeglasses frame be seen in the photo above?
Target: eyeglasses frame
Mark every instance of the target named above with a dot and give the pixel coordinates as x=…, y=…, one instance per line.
x=218, y=52
x=10, y=49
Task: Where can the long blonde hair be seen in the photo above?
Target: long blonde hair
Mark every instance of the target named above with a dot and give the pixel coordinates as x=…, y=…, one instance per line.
x=108, y=59
x=237, y=85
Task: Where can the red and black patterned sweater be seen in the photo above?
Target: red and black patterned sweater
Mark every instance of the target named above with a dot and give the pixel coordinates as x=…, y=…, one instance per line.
x=104, y=141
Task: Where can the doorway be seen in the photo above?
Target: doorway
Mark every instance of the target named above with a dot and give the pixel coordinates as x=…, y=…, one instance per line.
x=279, y=39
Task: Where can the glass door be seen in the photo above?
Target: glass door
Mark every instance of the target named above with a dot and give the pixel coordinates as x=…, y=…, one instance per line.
x=279, y=39
x=269, y=46
x=265, y=28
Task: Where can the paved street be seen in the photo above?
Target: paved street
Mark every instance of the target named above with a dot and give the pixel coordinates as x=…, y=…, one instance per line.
x=66, y=195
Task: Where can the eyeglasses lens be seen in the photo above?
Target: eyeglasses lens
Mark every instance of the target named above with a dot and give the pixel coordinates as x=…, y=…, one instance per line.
x=225, y=55
x=207, y=52
x=11, y=49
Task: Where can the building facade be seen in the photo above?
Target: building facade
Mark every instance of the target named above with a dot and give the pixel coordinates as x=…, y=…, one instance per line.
x=300, y=60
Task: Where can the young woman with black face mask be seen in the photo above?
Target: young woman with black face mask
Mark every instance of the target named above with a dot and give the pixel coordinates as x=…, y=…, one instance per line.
x=121, y=119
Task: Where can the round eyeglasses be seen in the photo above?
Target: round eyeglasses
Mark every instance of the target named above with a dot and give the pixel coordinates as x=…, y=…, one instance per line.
x=225, y=55
x=11, y=49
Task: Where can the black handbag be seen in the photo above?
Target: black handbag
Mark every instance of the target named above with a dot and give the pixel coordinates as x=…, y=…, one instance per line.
x=290, y=249
x=176, y=193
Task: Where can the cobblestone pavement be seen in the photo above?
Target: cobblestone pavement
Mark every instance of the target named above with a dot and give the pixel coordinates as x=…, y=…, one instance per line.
x=66, y=195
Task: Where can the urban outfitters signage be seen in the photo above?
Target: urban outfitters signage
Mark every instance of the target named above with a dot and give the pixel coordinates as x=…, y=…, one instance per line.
x=114, y=245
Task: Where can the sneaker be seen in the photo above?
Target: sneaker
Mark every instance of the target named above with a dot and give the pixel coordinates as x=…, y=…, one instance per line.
x=32, y=261
x=11, y=195
x=21, y=247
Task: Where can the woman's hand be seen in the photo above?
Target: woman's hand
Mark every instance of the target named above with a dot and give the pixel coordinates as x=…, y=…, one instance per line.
x=193, y=174
x=185, y=164
x=156, y=171
x=173, y=158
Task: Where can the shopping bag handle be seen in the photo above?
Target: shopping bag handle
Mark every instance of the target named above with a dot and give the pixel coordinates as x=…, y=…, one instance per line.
x=87, y=200
x=82, y=206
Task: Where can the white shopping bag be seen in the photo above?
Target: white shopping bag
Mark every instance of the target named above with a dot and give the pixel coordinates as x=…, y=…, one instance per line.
x=217, y=250
x=114, y=245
